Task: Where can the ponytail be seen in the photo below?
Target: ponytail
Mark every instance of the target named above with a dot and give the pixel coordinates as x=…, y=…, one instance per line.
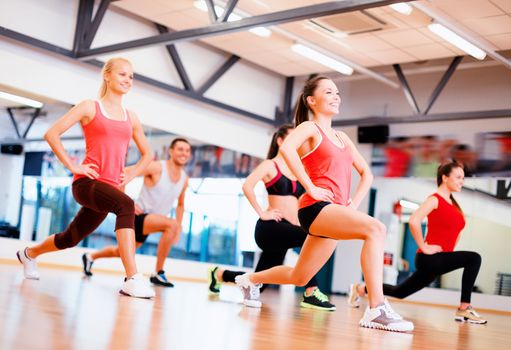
x=302, y=111
x=280, y=133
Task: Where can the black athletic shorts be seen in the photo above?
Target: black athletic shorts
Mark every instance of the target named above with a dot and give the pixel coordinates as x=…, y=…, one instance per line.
x=308, y=214
x=139, y=228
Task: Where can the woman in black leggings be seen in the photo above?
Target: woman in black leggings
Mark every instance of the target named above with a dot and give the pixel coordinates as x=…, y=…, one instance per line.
x=278, y=229
x=435, y=256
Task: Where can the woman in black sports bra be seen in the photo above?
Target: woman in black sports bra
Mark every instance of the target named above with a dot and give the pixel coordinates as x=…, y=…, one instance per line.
x=278, y=228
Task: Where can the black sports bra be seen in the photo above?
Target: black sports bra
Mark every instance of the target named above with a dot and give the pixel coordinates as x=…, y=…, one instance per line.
x=280, y=185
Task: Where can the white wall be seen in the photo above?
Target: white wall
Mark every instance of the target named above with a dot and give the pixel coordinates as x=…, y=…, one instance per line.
x=471, y=89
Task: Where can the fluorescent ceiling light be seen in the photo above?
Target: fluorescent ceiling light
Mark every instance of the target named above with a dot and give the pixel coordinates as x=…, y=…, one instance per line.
x=260, y=31
x=407, y=204
x=322, y=59
x=402, y=7
x=21, y=100
x=457, y=40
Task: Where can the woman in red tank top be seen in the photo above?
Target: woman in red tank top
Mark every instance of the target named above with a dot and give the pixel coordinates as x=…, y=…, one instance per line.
x=108, y=128
x=435, y=256
x=322, y=159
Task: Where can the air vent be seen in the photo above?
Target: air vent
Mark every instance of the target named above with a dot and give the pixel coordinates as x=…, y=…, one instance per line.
x=350, y=23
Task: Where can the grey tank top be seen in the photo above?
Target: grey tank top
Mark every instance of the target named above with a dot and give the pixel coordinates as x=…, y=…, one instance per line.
x=160, y=198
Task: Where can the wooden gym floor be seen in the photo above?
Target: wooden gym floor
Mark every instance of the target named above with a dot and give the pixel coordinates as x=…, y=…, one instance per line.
x=64, y=310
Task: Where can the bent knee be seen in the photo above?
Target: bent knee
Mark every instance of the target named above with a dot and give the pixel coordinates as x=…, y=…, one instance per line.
x=377, y=230
x=476, y=258
x=300, y=280
x=170, y=227
x=64, y=241
x=125, y=206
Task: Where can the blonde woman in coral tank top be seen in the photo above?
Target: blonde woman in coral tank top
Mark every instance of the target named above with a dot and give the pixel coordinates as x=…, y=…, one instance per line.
x=322, y=160
x=107, y=128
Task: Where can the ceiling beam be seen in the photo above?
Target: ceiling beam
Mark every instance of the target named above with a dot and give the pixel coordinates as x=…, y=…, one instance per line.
x=406, y=88
x=280, y=17
x=441, y=84
x=176, y=59
x=35, y=42
x=218, y=74
x=83, y=18
x=213, y=16
x=91, y=31
x=228, y=10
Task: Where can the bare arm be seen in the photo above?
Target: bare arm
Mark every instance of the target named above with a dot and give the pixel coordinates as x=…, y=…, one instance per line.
x=366, y=176
x=144, y=149
x=415, y=225
x=180, y=209
x=82, y=112
x=289, y=151
x=255, y=176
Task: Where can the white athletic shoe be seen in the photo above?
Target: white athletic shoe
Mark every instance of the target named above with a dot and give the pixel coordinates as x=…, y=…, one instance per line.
x=29, y=265
x=137, y=287
x=250, y=291
x=353, y=297
x=393, y=313
x=381, y=317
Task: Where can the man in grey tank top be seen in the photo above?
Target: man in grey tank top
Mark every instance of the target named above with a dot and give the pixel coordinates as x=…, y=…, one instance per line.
x=164, y=182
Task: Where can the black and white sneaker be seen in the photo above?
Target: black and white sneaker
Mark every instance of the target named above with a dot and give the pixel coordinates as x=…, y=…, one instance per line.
x=160, y=279
x=317, y=300
x=87, y=264
x=213, y=283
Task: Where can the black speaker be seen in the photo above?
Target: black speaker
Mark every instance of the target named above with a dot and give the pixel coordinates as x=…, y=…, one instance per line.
x=12, y=148
x=373, y=134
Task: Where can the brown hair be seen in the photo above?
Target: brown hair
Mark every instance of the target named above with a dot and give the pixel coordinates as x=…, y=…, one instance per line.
x=302, y=107
x=274, y=146
x=107, y=68
x=446, y=169
x=178, y=139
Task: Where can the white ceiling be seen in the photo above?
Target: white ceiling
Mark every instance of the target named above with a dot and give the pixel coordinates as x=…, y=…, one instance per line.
x=392, y=37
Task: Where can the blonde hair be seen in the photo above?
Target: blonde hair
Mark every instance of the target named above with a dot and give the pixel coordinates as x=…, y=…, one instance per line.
x=107, y=68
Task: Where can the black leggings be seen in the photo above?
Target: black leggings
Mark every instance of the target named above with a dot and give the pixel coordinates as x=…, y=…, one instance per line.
x=430, y=267
x=274, y=238
x=97, y=199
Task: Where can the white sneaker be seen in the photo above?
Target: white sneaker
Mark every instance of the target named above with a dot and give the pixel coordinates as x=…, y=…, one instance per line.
x=29, y=265
x=391, y=310
x=250, y=291
x=381, y=317
x=137, y=287
x=353, y=297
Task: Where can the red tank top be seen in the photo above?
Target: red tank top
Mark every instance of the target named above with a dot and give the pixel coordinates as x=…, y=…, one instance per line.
x=329, y=167
x=106, y=145
x=444, y=225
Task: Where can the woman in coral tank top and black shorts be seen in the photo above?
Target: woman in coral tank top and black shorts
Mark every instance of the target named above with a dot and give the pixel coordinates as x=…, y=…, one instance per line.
x=322, y=160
